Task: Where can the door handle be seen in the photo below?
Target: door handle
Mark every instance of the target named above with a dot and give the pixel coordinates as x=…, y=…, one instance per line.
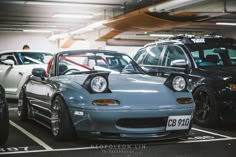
x=20, y=73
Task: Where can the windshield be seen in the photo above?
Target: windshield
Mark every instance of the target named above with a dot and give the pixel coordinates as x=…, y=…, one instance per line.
x=34, y=57
x=206, y=55
x=82, y=61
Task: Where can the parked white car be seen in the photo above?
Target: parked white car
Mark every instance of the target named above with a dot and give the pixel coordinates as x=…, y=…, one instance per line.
x=16, y=66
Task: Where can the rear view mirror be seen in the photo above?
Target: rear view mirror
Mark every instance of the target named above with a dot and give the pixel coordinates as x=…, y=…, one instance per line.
x=8, y=62
x=179, y=63
x=39, y=72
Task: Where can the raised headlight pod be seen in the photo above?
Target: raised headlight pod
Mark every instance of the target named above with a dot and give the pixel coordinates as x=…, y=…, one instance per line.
x=98, y=84
x=179, y=83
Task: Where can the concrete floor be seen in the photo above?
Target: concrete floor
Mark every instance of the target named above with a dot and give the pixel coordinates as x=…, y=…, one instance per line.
x=32, y=139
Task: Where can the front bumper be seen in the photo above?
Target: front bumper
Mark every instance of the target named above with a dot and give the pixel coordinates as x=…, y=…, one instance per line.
x=127, y=124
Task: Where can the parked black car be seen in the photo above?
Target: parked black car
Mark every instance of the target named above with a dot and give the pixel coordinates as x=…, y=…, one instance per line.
x=4, y=117
x=211, y=66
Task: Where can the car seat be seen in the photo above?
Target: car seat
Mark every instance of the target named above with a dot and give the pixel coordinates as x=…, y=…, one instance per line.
x=62, y=68
x=212, y=58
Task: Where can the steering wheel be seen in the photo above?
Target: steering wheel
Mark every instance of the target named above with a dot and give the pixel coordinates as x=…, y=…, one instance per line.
x=70, y=71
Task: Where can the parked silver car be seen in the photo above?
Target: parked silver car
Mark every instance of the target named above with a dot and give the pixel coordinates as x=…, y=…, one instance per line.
x=16, y=66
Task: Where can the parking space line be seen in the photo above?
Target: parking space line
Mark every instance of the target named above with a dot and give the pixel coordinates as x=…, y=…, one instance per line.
x=53, y=150
x=31, y=136
x=91, y=148
x=209, y=140
x=212, y=133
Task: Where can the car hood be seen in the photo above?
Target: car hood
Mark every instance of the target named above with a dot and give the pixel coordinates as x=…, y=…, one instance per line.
x=119, y=82
x=133, y=91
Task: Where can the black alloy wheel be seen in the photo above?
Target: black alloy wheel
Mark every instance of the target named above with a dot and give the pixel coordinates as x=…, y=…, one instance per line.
x=22, y=106
x=206, y=113
x=61, y=125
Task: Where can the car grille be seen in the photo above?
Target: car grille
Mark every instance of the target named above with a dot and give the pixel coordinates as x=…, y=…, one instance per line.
x=142, y=122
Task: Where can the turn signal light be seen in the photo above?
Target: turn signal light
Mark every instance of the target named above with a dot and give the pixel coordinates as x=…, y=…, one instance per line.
x=233, y=87
x=106, y=102
x=184, y=100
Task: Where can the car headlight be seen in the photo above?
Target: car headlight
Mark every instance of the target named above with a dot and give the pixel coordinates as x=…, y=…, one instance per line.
x=98, y=84
x=178, y=83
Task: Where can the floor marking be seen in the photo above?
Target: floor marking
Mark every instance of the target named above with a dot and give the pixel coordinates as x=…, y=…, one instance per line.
x=212, y=133
x=34, y=138
x=53, y=150
x=210, y=140
x=90, y=148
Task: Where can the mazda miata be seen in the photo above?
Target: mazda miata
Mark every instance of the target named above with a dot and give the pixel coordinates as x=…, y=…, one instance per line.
x=105, y=94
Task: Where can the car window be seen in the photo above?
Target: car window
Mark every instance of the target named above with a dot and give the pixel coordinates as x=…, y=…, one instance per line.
x=153, y=55
x=10, y=56
x=78, y=62
x=211, y=57
x=213, y=54
x=34, y=57
x=140, y=55
x=196, y=55
x=172, y=53
x=232, y=55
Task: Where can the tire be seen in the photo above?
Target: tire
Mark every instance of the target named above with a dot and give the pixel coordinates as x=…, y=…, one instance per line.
x=22, y=106
x=207, y=110
x=4, y=125
x=61, y=125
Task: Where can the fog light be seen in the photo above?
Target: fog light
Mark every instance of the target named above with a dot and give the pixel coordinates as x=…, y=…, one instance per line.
x=106, y=102
x=184, y=100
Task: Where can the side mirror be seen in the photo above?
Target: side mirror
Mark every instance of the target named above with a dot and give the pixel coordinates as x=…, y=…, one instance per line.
x=39, y=72
x=8, y=62
x=179, y=63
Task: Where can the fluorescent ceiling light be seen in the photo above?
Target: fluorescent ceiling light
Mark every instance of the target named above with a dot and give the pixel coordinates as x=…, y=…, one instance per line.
x=226, y=23
x=161, y=35
x=73, y=16
x=37, y=31
x=58, y=3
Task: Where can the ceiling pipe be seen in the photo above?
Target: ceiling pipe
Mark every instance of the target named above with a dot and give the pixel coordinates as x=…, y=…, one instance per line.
x=172, y=4
x=61, y=3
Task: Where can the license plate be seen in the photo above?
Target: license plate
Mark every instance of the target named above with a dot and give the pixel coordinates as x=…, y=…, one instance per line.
x=178, y=122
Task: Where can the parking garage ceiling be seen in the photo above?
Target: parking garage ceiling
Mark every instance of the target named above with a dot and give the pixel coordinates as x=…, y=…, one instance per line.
x=128, y=19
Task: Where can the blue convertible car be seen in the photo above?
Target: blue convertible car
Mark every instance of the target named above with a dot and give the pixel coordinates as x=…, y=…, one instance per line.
x=105, y=94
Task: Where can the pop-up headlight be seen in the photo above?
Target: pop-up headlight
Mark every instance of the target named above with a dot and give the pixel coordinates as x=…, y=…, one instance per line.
x=97, y=83
x=177, y=82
